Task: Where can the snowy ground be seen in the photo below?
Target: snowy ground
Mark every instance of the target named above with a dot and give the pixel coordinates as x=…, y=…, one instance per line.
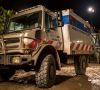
x=66, y=80
x=93, y=73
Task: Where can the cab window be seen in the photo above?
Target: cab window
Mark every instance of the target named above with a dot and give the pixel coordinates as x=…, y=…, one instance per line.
x=50, y=22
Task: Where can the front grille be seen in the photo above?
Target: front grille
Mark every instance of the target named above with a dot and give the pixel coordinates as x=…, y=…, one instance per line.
x=11, y=40
x=11, y=43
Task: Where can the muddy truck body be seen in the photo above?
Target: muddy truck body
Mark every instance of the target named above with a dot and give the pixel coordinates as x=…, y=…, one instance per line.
x=40, y=40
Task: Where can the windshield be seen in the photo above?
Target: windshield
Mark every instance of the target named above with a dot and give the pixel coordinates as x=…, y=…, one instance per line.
x=28, y=21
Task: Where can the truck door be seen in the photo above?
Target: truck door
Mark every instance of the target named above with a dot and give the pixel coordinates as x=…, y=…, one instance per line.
x=51, y=30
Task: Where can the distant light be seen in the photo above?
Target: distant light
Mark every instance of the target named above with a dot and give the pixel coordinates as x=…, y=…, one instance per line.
x=91, y=9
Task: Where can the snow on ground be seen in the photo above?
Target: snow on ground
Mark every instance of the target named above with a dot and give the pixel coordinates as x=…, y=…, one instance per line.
x=93, y=73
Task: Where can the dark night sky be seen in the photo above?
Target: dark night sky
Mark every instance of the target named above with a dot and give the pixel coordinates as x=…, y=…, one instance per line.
x=79, y=6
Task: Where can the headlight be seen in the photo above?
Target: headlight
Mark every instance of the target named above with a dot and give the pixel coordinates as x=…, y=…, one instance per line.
x=27, y=41
x=16, y=60
x=30, y=43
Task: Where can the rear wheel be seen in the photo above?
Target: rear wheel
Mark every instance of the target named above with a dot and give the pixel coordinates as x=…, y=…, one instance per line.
x=45, y=76
x=5, y=74
x=80, y=63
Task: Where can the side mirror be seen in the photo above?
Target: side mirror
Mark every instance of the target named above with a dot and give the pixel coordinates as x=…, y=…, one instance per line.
x=60, y=24
x=59, y=17
x=38, y=34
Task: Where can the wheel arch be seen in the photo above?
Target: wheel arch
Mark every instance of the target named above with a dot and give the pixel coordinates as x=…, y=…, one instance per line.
x=46, y=49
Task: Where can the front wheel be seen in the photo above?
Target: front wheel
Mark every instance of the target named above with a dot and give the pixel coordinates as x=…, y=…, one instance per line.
x=45, y=76
x=80, y=63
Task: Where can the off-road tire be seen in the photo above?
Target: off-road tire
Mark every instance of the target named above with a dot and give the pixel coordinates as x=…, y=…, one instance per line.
x=45, y=76
x=80, y=63
x=5, y=74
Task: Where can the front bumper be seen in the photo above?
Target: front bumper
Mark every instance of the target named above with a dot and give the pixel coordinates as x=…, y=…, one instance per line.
x=8, y=59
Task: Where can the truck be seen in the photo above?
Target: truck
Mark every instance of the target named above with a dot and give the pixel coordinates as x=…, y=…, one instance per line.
x=40, y=40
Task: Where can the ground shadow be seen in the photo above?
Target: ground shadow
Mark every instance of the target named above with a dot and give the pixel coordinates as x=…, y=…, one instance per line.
x=61, y=78
x=24, y=80
x=31, y=80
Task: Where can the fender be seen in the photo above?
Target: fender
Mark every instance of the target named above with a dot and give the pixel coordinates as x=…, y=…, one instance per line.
x=49, y=49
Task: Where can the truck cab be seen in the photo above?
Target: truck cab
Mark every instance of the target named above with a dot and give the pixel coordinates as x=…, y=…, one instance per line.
x=29, y=42
x=28, y=29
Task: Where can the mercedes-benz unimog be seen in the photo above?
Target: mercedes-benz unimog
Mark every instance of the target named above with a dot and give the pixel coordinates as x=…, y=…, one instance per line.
x=40, y=40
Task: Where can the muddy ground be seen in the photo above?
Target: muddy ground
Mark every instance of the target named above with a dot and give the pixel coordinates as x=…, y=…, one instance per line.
x=66, y=80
